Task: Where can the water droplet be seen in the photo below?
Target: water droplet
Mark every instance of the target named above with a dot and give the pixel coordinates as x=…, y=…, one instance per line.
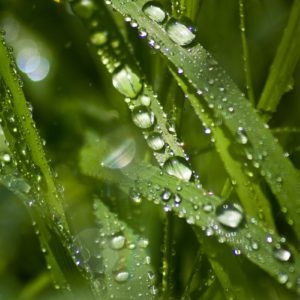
x=242, y=136
x=143, y=243
x=99, y=38
x=282, y=254
x=180, y=33
x=122, y=276
x=117, y=242
x=84, y=8
x=230, y=215
x=155, y=141
x=143, y=117
x=178, y=167
x=154, y=11
x=269, y=239
x=282, y=277
x=127, y=82
x=207, y=207
x=145, y=100
x=166, y=195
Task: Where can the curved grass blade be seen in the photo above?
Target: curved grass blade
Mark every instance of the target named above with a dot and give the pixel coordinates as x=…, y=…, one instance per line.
x=125, y=271
x=199, y=208
x=284, y=64
x=229, y=104
x=22, y=136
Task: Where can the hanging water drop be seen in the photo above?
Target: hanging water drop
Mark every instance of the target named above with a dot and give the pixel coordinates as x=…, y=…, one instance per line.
x=117, y=242
x=122, y=276
x=155, y=141
x=178, y=167
x=143, y=117
x=154, y=11
x=230, y=215
x=127, y=82
x=84, y=8
x=282, y=254
x=180, y=33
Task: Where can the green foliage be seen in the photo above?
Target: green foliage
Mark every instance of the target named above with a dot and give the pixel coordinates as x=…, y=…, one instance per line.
x=123, y=217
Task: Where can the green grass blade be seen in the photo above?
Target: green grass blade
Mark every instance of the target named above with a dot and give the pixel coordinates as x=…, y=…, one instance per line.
x=205, y=75
x=247, y=70
x=150, y=182
x=284, y=64
x=127, y=273
x=22, y=136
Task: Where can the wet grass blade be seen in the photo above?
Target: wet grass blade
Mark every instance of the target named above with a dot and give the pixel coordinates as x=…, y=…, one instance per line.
x=229, y=105
x=199, y=208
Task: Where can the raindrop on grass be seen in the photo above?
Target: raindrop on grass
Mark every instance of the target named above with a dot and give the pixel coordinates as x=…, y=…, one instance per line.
x=166, y=195
x=282, y=254
x=242, y=136
x=180, y=33
x=154, y=11
x=155, y=141
x=230, y=215
x=118, y=242
x=122, y=276
x=178, y=167
x=143, y=117
x=127, y=82
x=99, y=38
x=84, y=8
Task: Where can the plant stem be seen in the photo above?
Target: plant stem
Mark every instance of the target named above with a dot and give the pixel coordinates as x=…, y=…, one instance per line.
x=247, y=69
x=283, y=66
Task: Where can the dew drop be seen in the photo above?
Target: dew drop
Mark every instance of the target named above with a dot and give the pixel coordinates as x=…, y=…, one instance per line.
x=155, y=141
x=178, y=167
x=242, y=136
x=84, y=8
x=99, y=38
x=282, y=277
x=230, y=215
x=127, y=82
x=154, y=11
x=282, y=254
x=143, y=117
x=122, y=276
x=117, y=242
x=180, y=33
x=166, y=195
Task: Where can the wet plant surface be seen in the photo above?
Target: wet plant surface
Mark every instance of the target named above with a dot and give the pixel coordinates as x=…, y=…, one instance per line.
x=149, y=149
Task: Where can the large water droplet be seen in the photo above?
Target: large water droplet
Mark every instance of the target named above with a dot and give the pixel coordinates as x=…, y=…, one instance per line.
x=180, y=33
x=166, y=195
x=143, y=117
x=155, y=141
x=127, y=82
x=117, y=242
x=154, y=11
x=230, y=215
x=178, y=167
x=84, y=8
x=122, y=276
x=282, y=254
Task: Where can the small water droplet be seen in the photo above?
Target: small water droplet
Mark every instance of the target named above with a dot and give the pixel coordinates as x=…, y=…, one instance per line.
x=282, y=277
x=180, y=33
x=117, y=242
x=155, y=141
x=122, y=276
x=127, y=82
x=166, y=195
x=242, y=136
x=99, y=38
x=230, y=215
x=143, y=117
x=178, y=167
x=154, y=11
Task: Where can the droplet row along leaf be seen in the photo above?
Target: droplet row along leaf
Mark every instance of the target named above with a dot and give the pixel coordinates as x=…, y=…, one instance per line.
x=113, y=52
x=202, y=72
x=224, y=221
